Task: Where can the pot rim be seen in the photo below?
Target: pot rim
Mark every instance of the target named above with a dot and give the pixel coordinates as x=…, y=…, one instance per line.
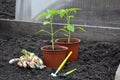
x=59, y=46
x=77, y=40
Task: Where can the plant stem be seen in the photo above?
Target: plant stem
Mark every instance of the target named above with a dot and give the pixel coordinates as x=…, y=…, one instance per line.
x=52, y=33
x=69, y=36
x=68, y=22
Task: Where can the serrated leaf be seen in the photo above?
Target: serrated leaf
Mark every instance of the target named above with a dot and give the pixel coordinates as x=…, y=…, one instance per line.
x=62, y=13
x=46, y=22
x=82, y=29
x=70, y=27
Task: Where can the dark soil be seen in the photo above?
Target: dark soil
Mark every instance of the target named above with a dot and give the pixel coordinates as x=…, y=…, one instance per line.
x=97, y=60
x=56, y=48
x=65, y=41
x=7, y=9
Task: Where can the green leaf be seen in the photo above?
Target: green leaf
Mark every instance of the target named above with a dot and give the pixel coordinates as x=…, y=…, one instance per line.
x=82, y=29
x=64, y=27
x=62, y=13
x=65, y=35
x=71, y=16
x=48, y=16
x=74, y=9
x=46, y=22
x=70, y=27
x=52, y=12
x=42, y=15
x=41, y=30
x=64, y=30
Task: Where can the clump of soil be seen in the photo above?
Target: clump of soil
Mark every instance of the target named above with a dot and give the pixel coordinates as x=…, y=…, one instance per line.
x=97, y=60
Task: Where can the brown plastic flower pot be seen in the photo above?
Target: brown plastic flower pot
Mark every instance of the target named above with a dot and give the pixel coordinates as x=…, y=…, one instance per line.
x=72, y=46
x=53, y=58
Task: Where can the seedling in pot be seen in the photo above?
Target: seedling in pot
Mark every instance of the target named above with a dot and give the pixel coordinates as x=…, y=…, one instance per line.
x=49, y=21
x=68, y=14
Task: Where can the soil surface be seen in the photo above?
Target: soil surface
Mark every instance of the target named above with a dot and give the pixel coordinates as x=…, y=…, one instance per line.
x=97, y=60
x=7, y=9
